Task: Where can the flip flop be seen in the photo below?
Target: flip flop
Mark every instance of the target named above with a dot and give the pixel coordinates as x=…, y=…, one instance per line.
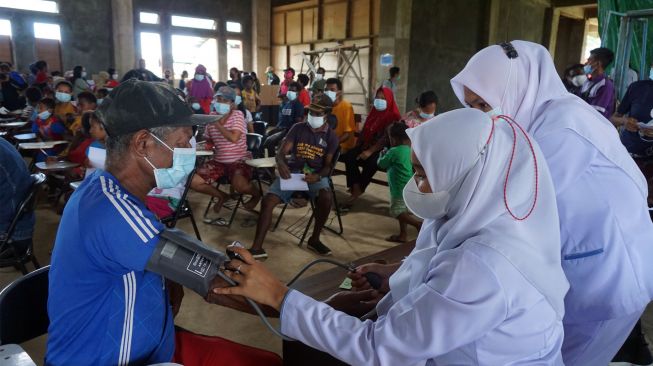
x=394, y=239
x=217, y=222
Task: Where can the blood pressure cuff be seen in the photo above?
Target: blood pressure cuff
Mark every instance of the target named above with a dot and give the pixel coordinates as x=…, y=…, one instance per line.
x=189, y=262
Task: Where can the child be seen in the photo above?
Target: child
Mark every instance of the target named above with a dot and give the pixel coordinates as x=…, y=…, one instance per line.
x=250, y=98
x=30, y=112
x=86, y=101
x=400, y=170
x=48, y=127
x=100, y=94
x=64, y=109
x=303, y=96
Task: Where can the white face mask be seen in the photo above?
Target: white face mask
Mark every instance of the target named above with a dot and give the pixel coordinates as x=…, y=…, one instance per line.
x=380, y=104
x=291, y=95
x=315, y=122
x=579, y=80
x=114, y=76
x=425, y=205
x=331, y=94
x=84, y=74
x=426, y=115
x=319, y=76
x=199, y=77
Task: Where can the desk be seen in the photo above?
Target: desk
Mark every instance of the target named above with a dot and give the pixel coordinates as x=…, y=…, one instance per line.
x=75, y=185
x=322, y=285
x=262, y=163
x=204, y=153
x=56, y=166
x=40, y=145
x=25, y=136
x=14, y=355
x=17, y=124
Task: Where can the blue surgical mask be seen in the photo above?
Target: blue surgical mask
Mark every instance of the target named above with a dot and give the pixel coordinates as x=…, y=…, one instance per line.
x=291, y=95
x=239, y=100
x=587, y=69
x=183, y=163
x=426, y=115
x=331, y=94
x=99, y=101
x=195, y=106
x=63, y=97
x=221, y=108
x=380, y=104
x=650, y=73
x=199, y=77
x=44, y=115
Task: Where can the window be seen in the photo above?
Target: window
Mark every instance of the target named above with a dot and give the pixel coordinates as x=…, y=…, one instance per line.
x=188, y=51
x=47, y=31
x=234, y=54
x=233, y=27
x=5, y=27
x=189, y=22
x=34, y=5
x=148, y=18
x=151, y=52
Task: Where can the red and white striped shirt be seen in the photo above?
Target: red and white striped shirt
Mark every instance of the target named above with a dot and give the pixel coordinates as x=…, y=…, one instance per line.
x=225, y=150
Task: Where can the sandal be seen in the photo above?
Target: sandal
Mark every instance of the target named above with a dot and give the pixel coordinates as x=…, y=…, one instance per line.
x=217, y=222
x=394, y=239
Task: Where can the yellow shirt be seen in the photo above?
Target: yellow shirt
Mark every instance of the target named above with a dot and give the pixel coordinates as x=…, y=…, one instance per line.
x=249, y=99
x=62, y=109
x=344, y=112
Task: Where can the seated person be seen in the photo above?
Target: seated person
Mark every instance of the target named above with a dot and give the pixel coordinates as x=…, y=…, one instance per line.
x=396, y=161
x=229, y=139
x=48, y=127
x=304, y=97
x=15, y=183
x=32, y=98
x=344, y=113
x=86, y=101
x=195, y=105
x=98, y=136
x=100, y=94
x=291, y=111
x=63, y=94
x=427, y=104
x=311, y=146
x=250, y=97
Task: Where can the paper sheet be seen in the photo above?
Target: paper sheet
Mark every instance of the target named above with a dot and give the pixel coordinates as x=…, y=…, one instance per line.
x=97, y=157
x=645, y=126
x=295, y=183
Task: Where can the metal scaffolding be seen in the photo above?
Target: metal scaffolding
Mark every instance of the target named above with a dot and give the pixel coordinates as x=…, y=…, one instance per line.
x=348, y=65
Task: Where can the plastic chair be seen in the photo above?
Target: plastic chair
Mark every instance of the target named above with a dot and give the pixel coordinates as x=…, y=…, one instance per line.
x=340, y=228
x=26, y=206
x=183, y=209
x=254, y=142
x=261, y=128
x=24, y=308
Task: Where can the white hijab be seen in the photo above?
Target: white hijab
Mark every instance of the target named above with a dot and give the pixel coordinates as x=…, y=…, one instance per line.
x=463, y=142
x=529, y=89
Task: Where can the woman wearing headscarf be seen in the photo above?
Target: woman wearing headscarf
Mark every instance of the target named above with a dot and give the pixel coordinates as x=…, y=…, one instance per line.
x=483, y=286
x=103, y=77
x=372, y=140
x=79, y=81
x=601, y=194
x=201, y=89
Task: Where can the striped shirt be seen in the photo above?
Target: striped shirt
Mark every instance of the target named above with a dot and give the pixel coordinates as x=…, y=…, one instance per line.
x=225, y=150
x=104, y=307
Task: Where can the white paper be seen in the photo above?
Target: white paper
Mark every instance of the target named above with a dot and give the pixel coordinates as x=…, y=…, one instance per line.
x=4, y=110
x=645, y=126
x=97, y=157
x=295, y=183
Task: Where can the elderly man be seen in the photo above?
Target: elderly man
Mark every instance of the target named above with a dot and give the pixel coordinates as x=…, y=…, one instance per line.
x=104, y=306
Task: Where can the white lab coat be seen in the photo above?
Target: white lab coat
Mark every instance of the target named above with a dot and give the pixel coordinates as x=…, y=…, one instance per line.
x=468, y=306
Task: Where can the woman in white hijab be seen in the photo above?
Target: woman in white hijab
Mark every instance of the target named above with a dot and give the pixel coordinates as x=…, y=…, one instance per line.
x=484, y=285
x=605, y=228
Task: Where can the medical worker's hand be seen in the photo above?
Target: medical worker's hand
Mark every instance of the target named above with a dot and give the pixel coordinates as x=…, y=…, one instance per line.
x=359, y=282
x=356, y=303
x=254, y=280
x=235, y=302
x=631, y=125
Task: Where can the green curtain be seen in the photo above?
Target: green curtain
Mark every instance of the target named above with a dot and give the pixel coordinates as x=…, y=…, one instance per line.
x=622, y=6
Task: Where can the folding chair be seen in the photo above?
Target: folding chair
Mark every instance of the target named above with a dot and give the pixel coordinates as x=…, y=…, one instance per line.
x=183, y=209
x=24, y=308
x=340, y=228
x=26, y=206
x=254, y=142
x=261, y=128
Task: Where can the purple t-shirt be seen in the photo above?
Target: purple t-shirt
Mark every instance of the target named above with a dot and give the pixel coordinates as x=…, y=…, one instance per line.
x=310, y=147
x=599, y=93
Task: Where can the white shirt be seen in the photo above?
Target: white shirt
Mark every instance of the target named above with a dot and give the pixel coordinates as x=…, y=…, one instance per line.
x=473, y=307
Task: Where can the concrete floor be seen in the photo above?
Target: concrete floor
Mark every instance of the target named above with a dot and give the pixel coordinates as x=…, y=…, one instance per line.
x=366, y=226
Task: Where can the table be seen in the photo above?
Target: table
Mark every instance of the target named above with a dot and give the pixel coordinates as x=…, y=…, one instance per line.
x=17, y=124
x=75, y=185
x=322, y=285
x=262, y=163
x=40, y=145
x=56, y=166
x=14, y=355
x=204, y=153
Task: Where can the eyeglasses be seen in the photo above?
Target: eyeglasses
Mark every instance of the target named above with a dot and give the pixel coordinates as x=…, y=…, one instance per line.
x=509, y=49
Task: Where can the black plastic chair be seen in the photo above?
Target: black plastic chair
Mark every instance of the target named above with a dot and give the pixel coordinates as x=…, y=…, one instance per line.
x=254, y=142
x=340, y=228
x=183, y=209
x=24, y=308
x=261, y=128
x=26, y=206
